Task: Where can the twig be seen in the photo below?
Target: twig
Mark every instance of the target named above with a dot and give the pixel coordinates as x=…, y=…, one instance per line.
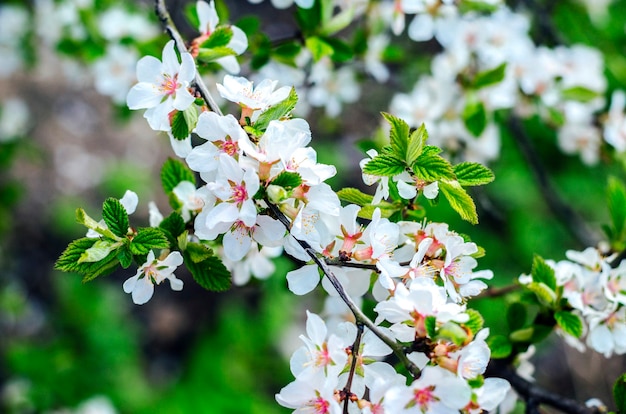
x=355, y=359
x=494, y=292
x=170, y=28
x=360, y=317
x=562, y=211
x=535, y=395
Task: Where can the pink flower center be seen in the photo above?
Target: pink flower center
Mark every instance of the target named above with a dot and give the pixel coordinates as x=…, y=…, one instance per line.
x=321, y=406
x=170, y=85
x=229, y=147
x=323, y=357
x=239, y=194
x=423, y=397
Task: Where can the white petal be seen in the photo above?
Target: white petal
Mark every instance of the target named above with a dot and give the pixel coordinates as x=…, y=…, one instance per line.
x=143, y=291
x=302, y=281
x=143, y=96
x=237, y=243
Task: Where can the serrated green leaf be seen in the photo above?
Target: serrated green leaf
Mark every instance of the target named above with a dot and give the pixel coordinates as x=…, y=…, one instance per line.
x=211, y=55
x=198, y=252
x=288, y=180
x=387, y=210
x=98, y=251
x=354, y=196
x=433, y=168
x=500, y=346
x=398, y=135
x=619, y=394
x=173, y=173
x=543, y=273
x=430, y=323
x=385, y=165
x=489, y=77
x=416, y=144
x=125, y=257
x=472, y=173
x=616, y=200
x=174, y=224
x=475, y=322
x=277, y=111
x=115, y=216
x=570, y=323
x=83, y=218
x=459, y=200
x=211, y=273
x=68, y=261
x=148, y=238
x=342, y=52
x=475, y=117
x=318, y=47
x=579, y=93
x=221, y=36
x=516, y=316
x=546, y=296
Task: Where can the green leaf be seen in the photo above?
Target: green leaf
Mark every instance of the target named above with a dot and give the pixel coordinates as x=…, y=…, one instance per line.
x=490, y=76
x=180, y=129
x=69, y=260
x=338, y=22
x=452, y=332
x=416, y=144
x=433, y=168
x=475, y=322
x=115, y=216
x=355, y=196
x=616, y=200
x=579, y=93
x=430, y=323
x=125, y=257
x=570, y=323
x=148, y=238
x=211, y=55
x=174, y=224
x=459, y=200
x=342, y=52
x=384, y=164
x=398, y=135
x=210, y=273
x=516, y=316
x=83, y=218
x=198, y=252
x=619, y=394
x=472, y=173
x=546, y=296
x=174, y=172
x=318, y=47
x=475, y=117
x=386, y=210
x=98, y=251
x=221, y=36
x=543, y=273
x=287, y=180
x=500, y=346
x=277, y=111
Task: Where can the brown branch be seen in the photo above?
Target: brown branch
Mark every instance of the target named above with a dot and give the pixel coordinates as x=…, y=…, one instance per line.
x=355, y=359
x=533, y=394
x=360, y=317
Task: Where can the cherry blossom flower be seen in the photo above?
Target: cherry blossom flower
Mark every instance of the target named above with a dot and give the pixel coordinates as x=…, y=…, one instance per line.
x=162, y=86
x=242, y=91
x=208, y=23
x=153, y=272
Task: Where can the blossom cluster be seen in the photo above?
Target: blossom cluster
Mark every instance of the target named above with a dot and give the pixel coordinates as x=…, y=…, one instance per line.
x=424, y=272
x=594, y=290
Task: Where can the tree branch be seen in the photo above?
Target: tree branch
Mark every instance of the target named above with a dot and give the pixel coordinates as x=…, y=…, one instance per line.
x=562, y=211
x=355, y=359
x=534, y=395
x=170, y=28
x=360, y=317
